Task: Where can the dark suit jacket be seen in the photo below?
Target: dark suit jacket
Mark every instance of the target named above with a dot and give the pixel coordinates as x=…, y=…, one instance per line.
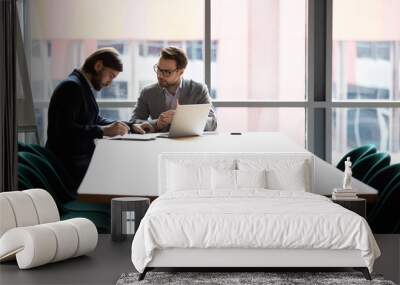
x=73, y=124
x=151, y=102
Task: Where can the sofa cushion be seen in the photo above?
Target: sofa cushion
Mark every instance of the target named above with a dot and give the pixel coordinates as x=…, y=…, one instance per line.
x=7, y=220
x=26, y=208
x=45, y=206
x=23, y=208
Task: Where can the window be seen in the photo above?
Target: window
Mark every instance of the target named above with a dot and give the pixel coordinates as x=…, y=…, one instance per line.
x=121, y=114
x=41, y=119
x=261, y=46
x=194, y=50
x=257, y=47
x=49, y=49
x=360, y=57
x=137, y=29
x=151, y=48
x=39, y=47
x=258, y=53
x=214, y=50
x=38, y=89
x=354, y=127
x=366, y=43
x=111, y=114
x=213, y=93
x=119, y=46
x=117, y=90
x=367, y=93
x=374, y=50
x=144, y=83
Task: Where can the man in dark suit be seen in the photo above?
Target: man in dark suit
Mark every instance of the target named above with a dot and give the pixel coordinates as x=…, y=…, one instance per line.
x=157, y=102
x=73, y=117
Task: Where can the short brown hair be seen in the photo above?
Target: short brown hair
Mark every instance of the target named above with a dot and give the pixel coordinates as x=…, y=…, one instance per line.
x=109, y=56
x=176, y=54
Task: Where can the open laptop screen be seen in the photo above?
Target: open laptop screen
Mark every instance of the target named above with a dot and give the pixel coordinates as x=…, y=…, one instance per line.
x=189, y=120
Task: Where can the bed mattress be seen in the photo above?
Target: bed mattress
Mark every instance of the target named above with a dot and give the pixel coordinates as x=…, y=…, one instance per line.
x=251, y=219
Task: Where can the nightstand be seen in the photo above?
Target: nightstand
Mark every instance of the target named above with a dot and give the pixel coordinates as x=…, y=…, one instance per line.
x=126, y=214
x=358, y=206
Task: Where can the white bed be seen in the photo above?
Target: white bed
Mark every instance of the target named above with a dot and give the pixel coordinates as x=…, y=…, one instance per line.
x=247, y=210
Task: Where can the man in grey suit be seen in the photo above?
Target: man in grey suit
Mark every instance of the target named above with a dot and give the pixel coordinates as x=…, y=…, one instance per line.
x=157, y=102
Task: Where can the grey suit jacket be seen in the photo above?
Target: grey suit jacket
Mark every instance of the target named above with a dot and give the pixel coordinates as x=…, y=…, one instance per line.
x=151, y=103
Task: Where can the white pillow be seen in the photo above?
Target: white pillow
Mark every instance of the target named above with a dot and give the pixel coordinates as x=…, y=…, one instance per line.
x=223, y=179
x=293, y=179
x=282, y=174
x=251, y=178
x=183, y=177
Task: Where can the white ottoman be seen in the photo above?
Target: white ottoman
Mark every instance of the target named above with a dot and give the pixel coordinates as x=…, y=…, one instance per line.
x=31, y=233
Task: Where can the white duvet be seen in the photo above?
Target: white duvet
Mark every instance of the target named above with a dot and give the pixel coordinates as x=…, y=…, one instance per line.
x=250, y=219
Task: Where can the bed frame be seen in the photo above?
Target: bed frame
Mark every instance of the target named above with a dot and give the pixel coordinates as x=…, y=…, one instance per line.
x=242, y=259
x=250, y=258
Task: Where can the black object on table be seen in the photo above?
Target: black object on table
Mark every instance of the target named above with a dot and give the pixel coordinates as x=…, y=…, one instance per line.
x=126, y=214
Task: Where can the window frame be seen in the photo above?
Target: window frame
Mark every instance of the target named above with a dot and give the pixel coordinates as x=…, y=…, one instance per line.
x=318, y=103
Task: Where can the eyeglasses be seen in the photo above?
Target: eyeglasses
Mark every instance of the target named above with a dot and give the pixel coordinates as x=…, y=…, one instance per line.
x=163, y=72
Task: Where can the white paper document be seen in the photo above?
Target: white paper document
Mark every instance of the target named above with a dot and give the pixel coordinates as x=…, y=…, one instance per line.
x=135, y=137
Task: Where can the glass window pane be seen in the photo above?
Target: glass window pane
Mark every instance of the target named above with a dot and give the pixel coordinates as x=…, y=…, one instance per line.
x=264, y=120
x=258, y=49
x=116, y=113
x=64, y=33
x=63, y=36
x=353, y=127
x=366, y=50
x=41, y=124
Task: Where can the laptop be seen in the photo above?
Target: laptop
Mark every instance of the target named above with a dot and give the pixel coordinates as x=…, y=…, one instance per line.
x=189, y=120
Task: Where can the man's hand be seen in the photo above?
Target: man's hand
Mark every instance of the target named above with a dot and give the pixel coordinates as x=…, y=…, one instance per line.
x=143, y=128
x=115, y=129
x=165, y=119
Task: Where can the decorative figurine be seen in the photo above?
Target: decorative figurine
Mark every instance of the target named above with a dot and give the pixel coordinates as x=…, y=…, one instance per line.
x=347, y=175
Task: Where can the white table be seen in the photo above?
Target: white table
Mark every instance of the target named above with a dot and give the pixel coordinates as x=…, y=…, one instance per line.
x=121, y=167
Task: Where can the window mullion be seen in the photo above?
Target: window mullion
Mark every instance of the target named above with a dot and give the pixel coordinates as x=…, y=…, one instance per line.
x=328, y=80
x=207, y=44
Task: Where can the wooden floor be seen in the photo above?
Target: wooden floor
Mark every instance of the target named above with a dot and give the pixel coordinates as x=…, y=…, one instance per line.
x=111, y=259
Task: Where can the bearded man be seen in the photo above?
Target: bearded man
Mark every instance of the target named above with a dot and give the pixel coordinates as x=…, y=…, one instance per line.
x=73, y=117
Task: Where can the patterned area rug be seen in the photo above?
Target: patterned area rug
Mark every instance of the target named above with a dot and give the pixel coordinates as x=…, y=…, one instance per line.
x=230, y=278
